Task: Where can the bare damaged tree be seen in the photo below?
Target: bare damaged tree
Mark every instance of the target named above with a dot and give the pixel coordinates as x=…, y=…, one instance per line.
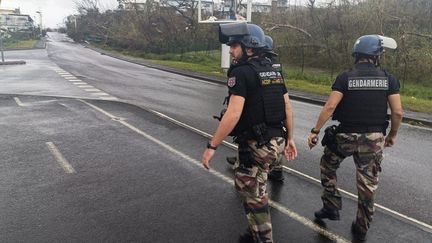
x=186, y=8
x=84, y=6
x=92, y=20
x=279, y=26
x=121, y=4
x=419, y=35
x=322, y=31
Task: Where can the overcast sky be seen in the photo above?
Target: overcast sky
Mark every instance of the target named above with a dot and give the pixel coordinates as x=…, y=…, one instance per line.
x=53, y=11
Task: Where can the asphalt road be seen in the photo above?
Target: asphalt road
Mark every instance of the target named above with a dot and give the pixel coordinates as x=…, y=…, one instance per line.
x=203, y=199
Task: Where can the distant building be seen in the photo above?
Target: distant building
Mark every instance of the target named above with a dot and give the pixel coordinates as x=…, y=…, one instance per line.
x=14, y=21
x=10, y=11
x=134, y=4
x=261, y=8
x=225, y=6
x=209, y=7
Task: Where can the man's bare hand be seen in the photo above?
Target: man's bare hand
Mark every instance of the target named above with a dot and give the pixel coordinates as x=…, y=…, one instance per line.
x=206, y=157
x=290, y=150
x=312, y=140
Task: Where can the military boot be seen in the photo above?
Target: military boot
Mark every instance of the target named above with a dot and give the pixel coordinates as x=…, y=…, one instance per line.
x=246, y=237
x=357, y=232
x=276, y=175
x=326, y=213
x=231, y=160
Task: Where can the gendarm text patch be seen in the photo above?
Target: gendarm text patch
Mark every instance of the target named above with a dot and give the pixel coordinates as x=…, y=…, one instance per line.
x=368, y=83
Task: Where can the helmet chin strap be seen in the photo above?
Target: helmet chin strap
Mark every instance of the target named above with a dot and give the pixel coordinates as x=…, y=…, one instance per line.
x=245, y=55
x=370, y=59
x=377, y=61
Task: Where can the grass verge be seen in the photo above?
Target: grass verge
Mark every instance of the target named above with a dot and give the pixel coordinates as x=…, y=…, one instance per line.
x=193, y=67
x=414, y=97
x=19, y=44
x=321, y=85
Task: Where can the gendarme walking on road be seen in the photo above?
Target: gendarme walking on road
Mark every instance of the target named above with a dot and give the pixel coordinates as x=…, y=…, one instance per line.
x=258, y=114
x=358, y=101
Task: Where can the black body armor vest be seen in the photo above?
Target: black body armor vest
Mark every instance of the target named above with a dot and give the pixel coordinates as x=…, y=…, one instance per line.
x=265, y=103
x=365, y=101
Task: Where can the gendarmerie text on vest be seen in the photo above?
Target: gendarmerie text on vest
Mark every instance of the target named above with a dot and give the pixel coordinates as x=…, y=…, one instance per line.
x=371, y=83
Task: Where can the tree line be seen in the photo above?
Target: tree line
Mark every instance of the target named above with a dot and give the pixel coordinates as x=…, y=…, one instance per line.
x=318, y=34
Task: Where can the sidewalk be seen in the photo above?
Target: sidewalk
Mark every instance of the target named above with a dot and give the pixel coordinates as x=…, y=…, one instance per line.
x=415, y=118
x=41, y=44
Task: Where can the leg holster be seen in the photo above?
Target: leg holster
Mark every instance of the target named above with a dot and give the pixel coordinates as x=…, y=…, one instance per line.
x=246, y=158
x=329, y=140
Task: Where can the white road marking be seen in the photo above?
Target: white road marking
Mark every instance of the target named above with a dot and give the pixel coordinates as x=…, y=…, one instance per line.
x=211, y=83
x=414, y=126
x=74, y=80
x=207, y=135
x=307, y=104
x=60, y=158
x=394, y=213
x=79, y=83
x=305, y=221
x=402, y=124
x=18, y=101
x=85, y=86
x=69, y=77
x=108, y=98
x=100, y=93
x=92, y=90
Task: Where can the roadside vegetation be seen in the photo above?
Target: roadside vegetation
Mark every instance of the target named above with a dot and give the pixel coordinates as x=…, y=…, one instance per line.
x=22, y=39
x=414, y=97
x=19, y=44
x=314, y=40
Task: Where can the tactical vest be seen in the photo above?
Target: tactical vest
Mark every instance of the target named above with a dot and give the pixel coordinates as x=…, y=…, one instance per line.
x=265, y=104
x=365, y=101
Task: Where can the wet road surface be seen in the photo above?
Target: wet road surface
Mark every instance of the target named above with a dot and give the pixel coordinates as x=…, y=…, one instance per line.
x=127, y=187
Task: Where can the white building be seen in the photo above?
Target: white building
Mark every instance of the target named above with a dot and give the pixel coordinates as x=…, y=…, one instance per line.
x=261, y=8
x=134, y=4
x=13, y=20
x=208, y=6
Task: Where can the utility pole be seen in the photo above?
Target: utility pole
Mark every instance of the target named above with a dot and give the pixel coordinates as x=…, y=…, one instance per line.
x=75, y=18
x=1, y=41
x=1, y=44
x=2, y=31
x=40, y=22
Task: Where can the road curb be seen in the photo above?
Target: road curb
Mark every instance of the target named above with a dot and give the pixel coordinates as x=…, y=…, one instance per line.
x=13, y=63
x=294, y=95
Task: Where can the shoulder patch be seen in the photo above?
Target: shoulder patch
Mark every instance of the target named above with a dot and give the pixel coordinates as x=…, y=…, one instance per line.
x=231, y=82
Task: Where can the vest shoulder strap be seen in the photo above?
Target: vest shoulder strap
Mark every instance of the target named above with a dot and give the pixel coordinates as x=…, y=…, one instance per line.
x=354, y=71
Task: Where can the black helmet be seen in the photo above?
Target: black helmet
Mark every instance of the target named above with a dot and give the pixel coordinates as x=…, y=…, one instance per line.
x=249, y=35
x=373, y=45
x=268, y=48
x=237, y=30
x=256, y=37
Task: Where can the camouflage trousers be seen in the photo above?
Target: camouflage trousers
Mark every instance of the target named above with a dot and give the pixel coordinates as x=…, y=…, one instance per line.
x=277, y=166
x=367, y=152
x=250, y=183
